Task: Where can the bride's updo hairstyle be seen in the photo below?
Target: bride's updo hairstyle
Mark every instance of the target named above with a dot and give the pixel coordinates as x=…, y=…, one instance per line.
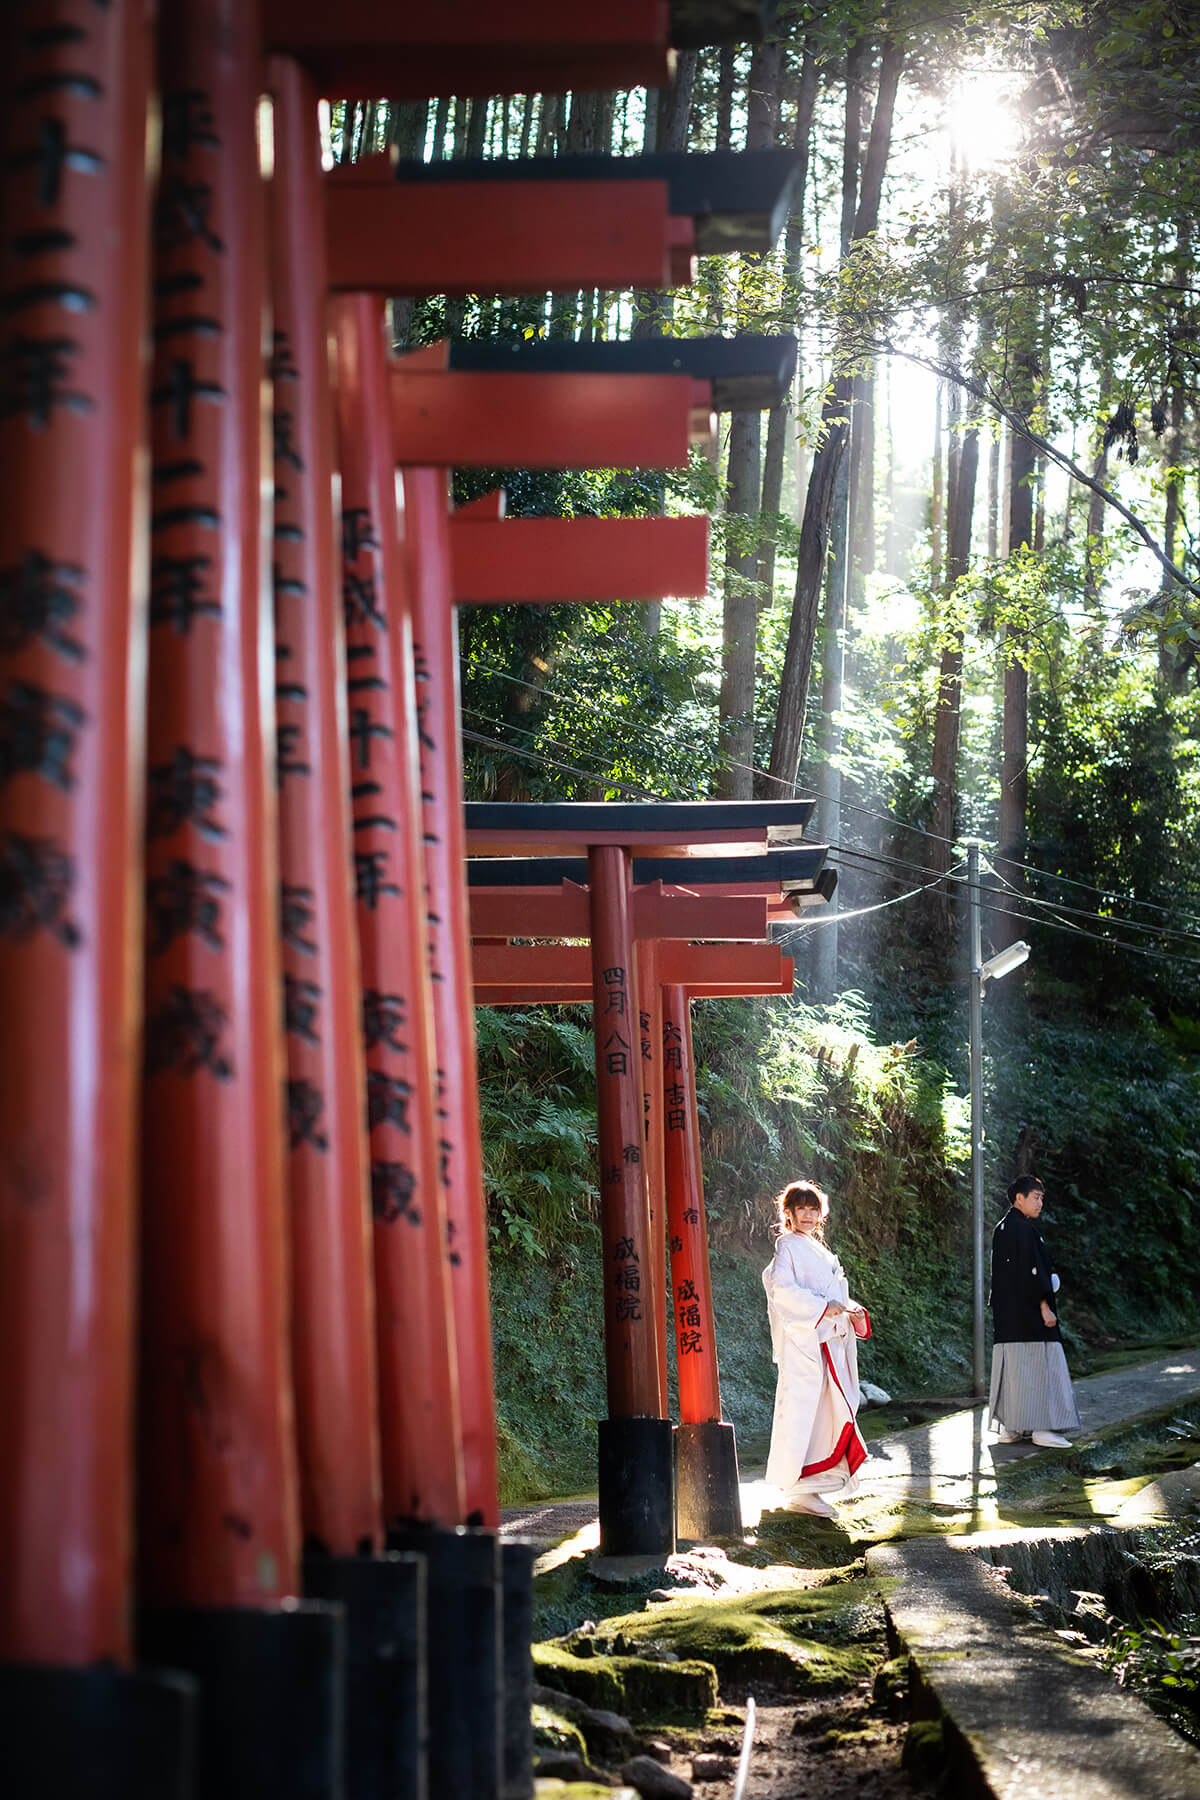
x=801, y=1195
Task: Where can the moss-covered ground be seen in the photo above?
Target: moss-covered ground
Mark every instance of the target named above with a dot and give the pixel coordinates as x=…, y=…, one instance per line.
x=807, y=1643
x=789, y=1615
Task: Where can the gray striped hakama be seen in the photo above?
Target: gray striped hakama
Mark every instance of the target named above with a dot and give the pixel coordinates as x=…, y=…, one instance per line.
x=1031, y=1389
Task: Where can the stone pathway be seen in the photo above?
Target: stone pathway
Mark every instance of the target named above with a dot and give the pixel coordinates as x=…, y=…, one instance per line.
x=1021, y=1715
x=1017, y=1712
x=957, y=1466
x=951, y=1467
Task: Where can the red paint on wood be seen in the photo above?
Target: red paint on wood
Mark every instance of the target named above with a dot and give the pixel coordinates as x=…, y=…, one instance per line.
x=733, y=967
x=571, y=994
x=218, y=1521
x=427, y=549
x=487, y=237
x=333, y=1313
x=650, y=1035
x=419, y=1396
x=691, y=1286
x=72, y=693
x=630, y=1354
x=546, y=560
x=761, y=964
x=520, y=421
x=473, y=47
x=564, y=912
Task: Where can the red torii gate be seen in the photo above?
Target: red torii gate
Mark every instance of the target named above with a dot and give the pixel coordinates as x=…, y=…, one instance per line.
x=670, y=557
x=220, y=1550
x=653, y=980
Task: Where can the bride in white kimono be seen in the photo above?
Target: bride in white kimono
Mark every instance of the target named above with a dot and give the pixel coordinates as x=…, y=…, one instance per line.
x=816, y=1446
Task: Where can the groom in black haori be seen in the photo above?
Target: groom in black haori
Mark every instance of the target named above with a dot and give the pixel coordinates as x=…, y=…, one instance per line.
x=1031, y=1387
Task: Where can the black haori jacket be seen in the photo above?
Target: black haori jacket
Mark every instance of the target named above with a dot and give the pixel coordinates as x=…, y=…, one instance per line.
x=1020, y=1282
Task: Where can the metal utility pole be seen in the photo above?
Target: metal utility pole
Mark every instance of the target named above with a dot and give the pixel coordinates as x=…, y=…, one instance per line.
x=976, y=1037
x=996, y=967
x=833, y=660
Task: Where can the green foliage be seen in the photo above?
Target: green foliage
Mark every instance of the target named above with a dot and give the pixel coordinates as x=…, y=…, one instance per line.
x=1104, y=719
x=1157, y=1662
x=584, y=704
x=1109, y=1115
x=783, y=1089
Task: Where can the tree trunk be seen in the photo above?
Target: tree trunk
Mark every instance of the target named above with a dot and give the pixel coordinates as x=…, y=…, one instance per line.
x=407, y=124
x=477, y=124
x=527, y=107
x=667, y=127
x=441, y=119
x=1093, y=555
x=547, y=137
x=964, y=462
x=726, y=81
x=862, y=485
x=740, y=622
x=780, y=419
x=833, y=670
x=937, y=489
x=837, y=566
x=1014, y=763
x=891, y=554
x=814, y=531
x=993, y=496
x=1174, y=660
x=581, y=129
x=462, y=113
x=744, y=490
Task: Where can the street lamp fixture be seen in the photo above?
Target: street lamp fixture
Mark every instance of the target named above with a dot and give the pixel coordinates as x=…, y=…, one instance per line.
x=1004, y=962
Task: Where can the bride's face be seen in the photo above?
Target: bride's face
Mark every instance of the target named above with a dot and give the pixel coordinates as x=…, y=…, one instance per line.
x=803, y=1219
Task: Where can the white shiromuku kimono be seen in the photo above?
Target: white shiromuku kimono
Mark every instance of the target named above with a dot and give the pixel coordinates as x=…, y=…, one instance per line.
x=816, y=1446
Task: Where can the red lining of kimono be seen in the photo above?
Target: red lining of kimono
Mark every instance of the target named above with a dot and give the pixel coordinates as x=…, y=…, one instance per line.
x=849, y=1444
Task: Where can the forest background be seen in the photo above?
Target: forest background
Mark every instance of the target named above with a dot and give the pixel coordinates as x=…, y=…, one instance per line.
x=956, y=594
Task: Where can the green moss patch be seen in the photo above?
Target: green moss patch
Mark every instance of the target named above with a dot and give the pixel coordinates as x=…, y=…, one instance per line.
x=554, y=1731
x=549, y=1788
x=638, y=1688
x=924, y=1753
x=813, y=1640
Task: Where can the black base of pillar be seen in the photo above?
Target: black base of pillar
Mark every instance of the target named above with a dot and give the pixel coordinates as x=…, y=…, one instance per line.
x=272, y=1692
x=96, y=1734
x=463, y=1658
x=386, y=1717
x=637, y=1487
x=516, y=1565
x=706, y=1476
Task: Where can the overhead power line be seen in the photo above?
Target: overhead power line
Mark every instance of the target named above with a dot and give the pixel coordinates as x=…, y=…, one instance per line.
x=1108, y=895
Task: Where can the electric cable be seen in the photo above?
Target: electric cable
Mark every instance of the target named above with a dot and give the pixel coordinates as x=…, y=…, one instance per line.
x=477, y=737
x=848, y=805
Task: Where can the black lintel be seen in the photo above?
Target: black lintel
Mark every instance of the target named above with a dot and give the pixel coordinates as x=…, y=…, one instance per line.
x=790, y=868
x=696, y=23
x=740, y=200
x=748, y=374
x=825, y=883
x=665, y=818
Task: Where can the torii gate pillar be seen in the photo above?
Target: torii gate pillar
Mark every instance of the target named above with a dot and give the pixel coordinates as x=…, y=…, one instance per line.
x=636, y=1478
x=709, y=1503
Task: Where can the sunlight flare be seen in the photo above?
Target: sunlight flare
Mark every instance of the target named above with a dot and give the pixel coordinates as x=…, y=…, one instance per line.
x=983, y=124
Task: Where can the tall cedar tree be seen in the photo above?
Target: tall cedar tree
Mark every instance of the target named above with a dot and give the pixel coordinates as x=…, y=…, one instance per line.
x=818, y=508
